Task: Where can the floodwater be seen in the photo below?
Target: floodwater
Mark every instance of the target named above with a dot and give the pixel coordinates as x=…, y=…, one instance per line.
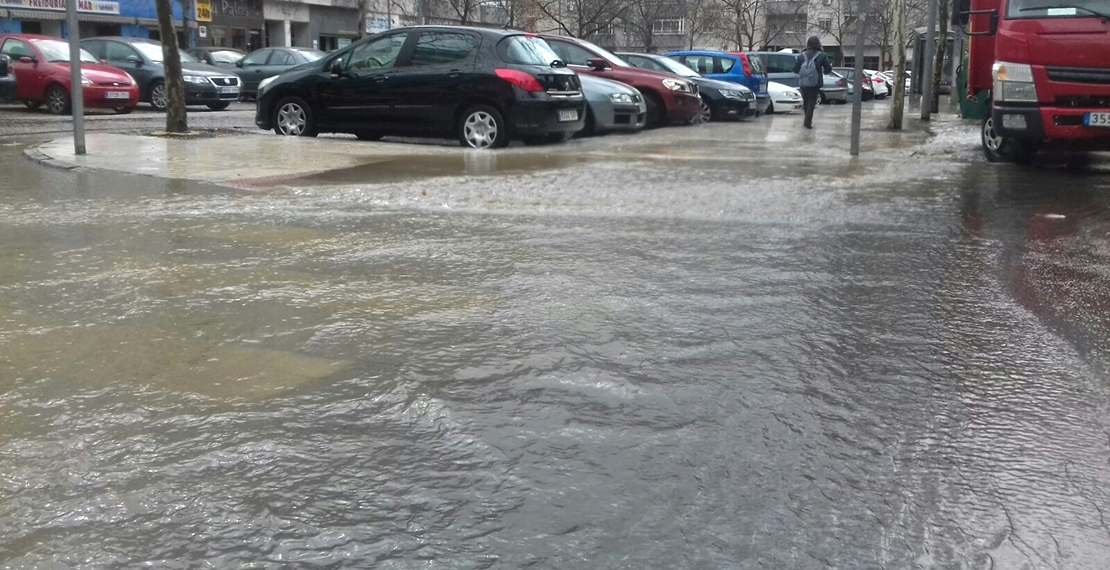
x=658, y=361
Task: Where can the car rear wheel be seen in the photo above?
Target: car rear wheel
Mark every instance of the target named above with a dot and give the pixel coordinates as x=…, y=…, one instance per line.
x=57, y=100
x=293, y=118
x=824, y=100
x=482, y=127
x=158, y=96
x=123, y=110
x=591, y=125
x=705, y=113
x=219, y=106
x=33, y=105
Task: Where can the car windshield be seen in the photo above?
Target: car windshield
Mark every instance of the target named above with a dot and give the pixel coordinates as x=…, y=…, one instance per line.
x=54, y=50
x=1027, y=9
x=310, y=54
x=226, y=56
x=605, y=54
x=676, y=67
x=153, y=52
x=526, y=50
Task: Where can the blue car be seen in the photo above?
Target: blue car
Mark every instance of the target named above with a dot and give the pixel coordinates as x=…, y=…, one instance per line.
x=732, y=67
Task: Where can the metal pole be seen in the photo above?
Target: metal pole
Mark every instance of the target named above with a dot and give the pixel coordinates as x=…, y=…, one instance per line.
x=955, y=61
x=77, y=91
x=929, y=66
x=857, y=101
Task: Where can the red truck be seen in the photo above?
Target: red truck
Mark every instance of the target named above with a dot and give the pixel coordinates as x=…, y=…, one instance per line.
x=1044, y=65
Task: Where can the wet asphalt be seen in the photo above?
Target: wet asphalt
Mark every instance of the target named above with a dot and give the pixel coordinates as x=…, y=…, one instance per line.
x=722, y=347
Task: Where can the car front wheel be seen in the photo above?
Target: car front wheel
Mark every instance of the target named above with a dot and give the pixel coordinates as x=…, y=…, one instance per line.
x=158, y=96
x=57, y=100
x=482, y=127
x=705, y=113
x=218, y=106
x=293, y=118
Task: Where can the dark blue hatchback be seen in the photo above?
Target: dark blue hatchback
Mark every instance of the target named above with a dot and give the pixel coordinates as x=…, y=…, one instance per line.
x=731, y=67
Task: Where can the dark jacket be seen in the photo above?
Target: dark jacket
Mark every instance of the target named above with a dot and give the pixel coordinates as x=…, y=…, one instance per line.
x=822, y=62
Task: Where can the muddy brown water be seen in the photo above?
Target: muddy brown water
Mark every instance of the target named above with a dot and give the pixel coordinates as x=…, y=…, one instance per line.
x=562, y=363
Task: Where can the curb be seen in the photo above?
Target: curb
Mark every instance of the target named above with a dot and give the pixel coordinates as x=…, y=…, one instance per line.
x=46, y=160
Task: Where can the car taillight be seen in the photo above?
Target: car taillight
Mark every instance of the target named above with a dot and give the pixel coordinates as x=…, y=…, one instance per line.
x=747, y=66
x=877, y=80
x=842, y=83
x=520, y=79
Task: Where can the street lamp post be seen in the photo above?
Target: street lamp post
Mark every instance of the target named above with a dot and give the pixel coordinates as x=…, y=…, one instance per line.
x=77, y=92
x=857, y=101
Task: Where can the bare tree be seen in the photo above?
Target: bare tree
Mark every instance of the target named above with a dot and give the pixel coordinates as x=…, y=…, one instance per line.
x=756, y=24
x=640, y=17
x=942, y=50
x=580, y=18
x=839, y=24
x=176, y=120
x=703, y=18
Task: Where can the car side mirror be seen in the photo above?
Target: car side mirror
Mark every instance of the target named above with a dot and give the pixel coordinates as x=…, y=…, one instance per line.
x=239, y=63
x=598, y=63
x=134, y=59
x=336, y=68
x=27, y=59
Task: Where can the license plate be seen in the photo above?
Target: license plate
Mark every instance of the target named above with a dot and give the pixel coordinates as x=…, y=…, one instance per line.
x=117, y=95
x=567, y=116
x=229, y=89
x=1096, y=120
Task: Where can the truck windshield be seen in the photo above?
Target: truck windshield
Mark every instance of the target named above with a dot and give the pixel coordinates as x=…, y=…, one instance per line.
x=1039, y=9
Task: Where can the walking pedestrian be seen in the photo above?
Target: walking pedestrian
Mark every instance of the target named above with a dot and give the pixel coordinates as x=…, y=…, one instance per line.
x=811, y=66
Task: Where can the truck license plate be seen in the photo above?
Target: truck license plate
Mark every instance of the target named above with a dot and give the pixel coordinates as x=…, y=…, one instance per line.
x=566, y=116
x=117, y=95
x=229, y=90
x=1097, y=120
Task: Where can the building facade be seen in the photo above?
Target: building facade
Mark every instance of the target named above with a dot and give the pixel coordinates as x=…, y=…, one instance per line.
x=237, y=24
x=130, y=18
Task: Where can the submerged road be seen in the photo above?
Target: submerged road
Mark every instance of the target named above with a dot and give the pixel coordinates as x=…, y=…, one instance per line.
x=723, y=347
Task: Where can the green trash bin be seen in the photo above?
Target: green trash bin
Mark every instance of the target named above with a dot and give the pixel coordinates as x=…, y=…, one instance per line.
x=971, y=109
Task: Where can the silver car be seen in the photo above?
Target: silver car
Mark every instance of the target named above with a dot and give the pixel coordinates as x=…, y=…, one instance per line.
x=835, y=89
x=611, y=106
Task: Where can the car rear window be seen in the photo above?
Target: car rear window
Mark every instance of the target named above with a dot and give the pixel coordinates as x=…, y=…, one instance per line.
x=525, y=50
x=756, y=64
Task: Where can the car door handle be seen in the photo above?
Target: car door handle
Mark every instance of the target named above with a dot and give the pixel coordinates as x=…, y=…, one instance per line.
x=453, y=73
x=380, y=78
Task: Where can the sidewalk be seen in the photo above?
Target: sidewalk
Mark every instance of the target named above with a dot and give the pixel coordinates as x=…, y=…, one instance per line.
x=258, y=160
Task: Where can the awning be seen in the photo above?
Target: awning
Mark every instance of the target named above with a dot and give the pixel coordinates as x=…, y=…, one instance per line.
x=153, y=23
x=61, y=16
x=104, y=19
x=36, y=15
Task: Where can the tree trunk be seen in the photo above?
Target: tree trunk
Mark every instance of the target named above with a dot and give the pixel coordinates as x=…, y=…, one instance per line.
x=174, y=85
x=942, y=49
x=363, y=10
x=898, y=107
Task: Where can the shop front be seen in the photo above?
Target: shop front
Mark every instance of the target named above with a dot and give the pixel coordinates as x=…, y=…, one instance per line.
x=128, y=18
x=331, y=27
x=237, y=24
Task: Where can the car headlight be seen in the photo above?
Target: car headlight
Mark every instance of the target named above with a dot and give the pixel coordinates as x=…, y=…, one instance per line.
x=793, y=95
x=195, y=79
x=732, y=94
x=262, y=84
x=1014, y=82
x=677, y=85
x=85, y=80
x=620, y=97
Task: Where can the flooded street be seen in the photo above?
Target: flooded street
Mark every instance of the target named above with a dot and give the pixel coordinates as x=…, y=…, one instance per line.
x=613, y=354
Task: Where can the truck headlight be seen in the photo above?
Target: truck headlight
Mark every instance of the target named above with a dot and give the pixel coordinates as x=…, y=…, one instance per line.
x=1014, y=82
x=677, y=85
x=620, y=97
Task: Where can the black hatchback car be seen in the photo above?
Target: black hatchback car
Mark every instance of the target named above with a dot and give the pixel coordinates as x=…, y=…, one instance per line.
x=142, y=58
x=483, y=86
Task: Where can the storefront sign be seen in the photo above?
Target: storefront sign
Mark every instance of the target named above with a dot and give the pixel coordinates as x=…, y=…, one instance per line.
x=376, y=23
x=91, y=6
x=204, y=11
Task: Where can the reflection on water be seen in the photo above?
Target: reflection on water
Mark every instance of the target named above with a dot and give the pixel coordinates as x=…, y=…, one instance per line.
x=906, y=373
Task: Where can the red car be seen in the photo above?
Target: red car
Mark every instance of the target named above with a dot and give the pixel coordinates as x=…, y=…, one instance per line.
x=41, y=66
x=669, y=97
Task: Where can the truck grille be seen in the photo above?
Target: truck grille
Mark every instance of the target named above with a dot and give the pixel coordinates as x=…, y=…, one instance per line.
x=1084, y=101
x=1092, y=75
x=225, y=81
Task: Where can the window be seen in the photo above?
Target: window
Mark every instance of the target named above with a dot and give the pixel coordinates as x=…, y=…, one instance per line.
x=378, y=55
x=118, y=52
x=672, y=26
x=442, y=48
x=16, y=49
x=571, y=54
x=283, y=58
x=225, y=56
x=526, y=50
x=606, y=30
x=825, y=24
x=644, y=63
x=703, y=64
x=779, y=63
x=787, y=23
x=257, y=58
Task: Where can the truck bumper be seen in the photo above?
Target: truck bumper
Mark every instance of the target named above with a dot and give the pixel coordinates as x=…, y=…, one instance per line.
x=1050, y=124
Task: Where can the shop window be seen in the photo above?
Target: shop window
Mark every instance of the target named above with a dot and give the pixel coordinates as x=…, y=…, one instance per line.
x=31, y=27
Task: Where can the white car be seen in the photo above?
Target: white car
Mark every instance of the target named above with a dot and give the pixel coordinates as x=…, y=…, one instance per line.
x=783, y=99
x=878, y=83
